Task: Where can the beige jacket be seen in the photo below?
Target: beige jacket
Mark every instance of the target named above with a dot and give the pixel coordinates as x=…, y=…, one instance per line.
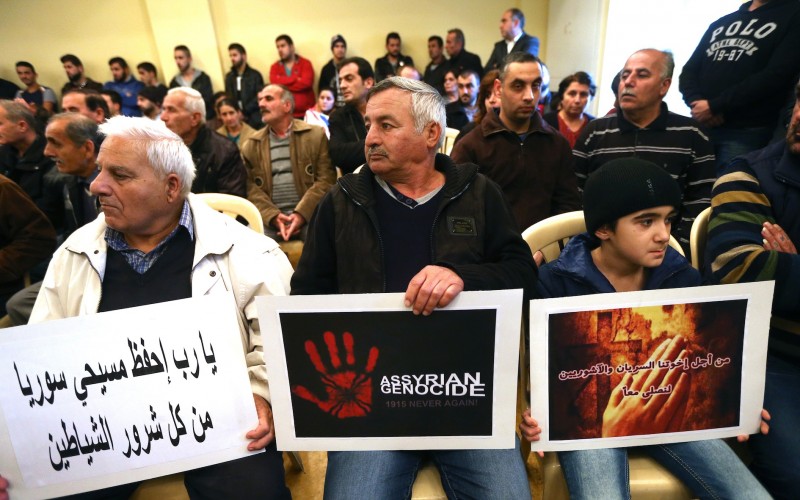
x=228, y=258
x=313, y=172
x=246, y=133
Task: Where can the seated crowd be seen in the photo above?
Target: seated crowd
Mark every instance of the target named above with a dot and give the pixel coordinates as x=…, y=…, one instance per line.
x=640, y=174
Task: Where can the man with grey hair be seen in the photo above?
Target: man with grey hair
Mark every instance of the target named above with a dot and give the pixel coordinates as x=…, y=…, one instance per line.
x=413, y=221
x=219, y=166
x=72, y=144
x=530, y=160
x=288, y=166
x=156, y=242
x=23, y=161
x=460, y=58
x=643, y=127
x=512, y=29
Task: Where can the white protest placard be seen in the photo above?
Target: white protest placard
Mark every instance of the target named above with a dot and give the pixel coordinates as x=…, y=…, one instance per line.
x=111, y=398
x=657, y=366
x=362, y=372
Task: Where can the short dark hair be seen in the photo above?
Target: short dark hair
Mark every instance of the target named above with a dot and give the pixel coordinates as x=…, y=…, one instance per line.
x=364, y=67
x=25, y=64
x=393, y=36
x=469, y=73
x=71, y=58
x=518, y=15
x=184, y=49
x=286, y=38
x=147, y=66
x=459, y=35
x=516, y=57
x=113, y=94
x=437, y=39
x=238, y=47
x=93, y=100
x=118, y=60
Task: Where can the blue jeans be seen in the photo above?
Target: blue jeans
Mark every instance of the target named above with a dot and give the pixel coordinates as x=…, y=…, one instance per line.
x=480, y=474
x=776, y=456
x=709, y=468
x=732, y=142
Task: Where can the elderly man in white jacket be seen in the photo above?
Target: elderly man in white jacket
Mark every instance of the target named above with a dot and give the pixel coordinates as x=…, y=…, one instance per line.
x=154, y=242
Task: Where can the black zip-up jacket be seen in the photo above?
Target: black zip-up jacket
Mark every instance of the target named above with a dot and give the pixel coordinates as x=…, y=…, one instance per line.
x=473, y=234
x=348, y=134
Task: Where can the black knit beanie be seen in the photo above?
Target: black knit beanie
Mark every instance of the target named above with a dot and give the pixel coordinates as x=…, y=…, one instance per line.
x=624, y=186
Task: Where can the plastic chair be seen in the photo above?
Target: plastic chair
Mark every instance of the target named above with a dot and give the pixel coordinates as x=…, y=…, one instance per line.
x=450, y=135
x=234, y=206
x=697, y=238
x=648, y=478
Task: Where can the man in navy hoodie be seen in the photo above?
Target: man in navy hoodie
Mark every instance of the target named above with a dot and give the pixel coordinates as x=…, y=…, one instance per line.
x=742, y=74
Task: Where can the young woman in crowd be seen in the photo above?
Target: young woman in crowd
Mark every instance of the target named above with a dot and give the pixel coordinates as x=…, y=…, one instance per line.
x=318, y=115
x=233, y=125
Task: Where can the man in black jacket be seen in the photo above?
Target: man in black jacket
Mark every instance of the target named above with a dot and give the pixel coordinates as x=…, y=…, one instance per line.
x=412, y=221
x=189, y=76
x=347, y=123
x=514, y=39
x=390, y=64
x=219, y=166
x=243, y=83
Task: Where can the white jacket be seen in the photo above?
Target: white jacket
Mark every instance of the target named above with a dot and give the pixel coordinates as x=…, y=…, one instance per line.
x=228, y=258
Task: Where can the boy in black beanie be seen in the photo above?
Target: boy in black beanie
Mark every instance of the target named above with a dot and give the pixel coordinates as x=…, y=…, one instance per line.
x=629, y=205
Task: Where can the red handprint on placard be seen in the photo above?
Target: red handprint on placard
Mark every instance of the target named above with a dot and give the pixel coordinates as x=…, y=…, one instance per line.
x=349, y=391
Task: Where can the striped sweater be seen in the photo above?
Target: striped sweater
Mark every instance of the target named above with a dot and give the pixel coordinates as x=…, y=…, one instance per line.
x=763, y=186
x=672, y=141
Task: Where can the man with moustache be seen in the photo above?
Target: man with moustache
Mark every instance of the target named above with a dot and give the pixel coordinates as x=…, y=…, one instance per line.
x=242, y=84
x=753, y=236
x=530, y=160
x=77, y=80
x=386, y=229
x=643, y=127
x=288, y=166
x=72, y=144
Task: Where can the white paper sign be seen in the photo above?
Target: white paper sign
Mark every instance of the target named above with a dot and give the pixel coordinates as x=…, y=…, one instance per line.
x=658, y=366
x=112, y=398
x=361, y=372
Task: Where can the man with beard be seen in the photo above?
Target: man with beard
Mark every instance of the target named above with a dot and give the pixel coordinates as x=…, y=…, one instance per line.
x=125, y=85
x=149, y=101
x=242, y=84
x=189, y=76
x=390, y=64
x=461, y=112
x=74, y=69
x=643, y=127
x=752, y=236
x=295, y=73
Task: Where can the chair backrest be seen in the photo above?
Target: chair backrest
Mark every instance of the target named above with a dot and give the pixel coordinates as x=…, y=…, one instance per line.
x=551, y=235
x=450, y=135
x=234, y=206
x=697, y=238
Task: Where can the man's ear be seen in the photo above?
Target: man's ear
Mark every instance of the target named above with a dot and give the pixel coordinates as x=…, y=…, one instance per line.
x=433, y=131
x=498, y=87
x=665, y=84
x=172, y=187
x=369, y=82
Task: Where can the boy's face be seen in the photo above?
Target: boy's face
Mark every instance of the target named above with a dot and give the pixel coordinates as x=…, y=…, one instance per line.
x=640, y=239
